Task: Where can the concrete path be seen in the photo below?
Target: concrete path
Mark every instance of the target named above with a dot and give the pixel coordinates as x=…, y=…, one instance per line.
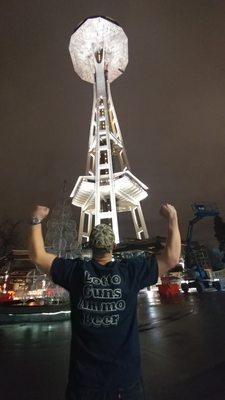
x=182, y=344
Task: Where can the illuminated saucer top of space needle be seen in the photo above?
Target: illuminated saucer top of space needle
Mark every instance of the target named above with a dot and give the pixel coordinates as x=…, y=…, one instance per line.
x=92, y=36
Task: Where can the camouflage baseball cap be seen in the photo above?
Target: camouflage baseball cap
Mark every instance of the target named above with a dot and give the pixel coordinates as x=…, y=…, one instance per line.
x=102, y=237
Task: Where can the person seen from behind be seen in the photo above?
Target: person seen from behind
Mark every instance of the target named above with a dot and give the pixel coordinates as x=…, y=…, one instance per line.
x=105, y=352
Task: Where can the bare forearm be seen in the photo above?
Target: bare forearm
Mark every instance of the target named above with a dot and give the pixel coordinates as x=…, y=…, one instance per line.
x=173, y=245
x=37, y=251
x=171, y=254
x=35, y=242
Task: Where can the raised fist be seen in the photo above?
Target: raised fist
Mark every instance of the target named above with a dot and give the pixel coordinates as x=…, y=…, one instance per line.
x=40, y=212
x=168, y=211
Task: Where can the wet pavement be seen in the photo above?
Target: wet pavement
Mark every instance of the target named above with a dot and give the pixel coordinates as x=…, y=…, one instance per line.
x=182, y=344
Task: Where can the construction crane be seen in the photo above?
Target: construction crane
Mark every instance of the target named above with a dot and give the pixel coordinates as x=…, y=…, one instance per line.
x=196, y=259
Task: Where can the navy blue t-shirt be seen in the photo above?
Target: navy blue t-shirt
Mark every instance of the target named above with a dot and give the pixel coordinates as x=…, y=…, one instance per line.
x=105, y=351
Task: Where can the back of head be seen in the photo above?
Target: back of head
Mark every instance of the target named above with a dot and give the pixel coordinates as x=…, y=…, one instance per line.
x=102, y=239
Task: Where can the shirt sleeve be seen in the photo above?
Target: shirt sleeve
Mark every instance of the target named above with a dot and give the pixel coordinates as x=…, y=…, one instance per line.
x=146, y=271
x=63, y=272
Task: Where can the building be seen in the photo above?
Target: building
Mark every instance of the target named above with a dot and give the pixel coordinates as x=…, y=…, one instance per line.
x=99, y=52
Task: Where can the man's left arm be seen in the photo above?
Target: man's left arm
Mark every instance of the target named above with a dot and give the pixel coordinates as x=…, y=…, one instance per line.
x=36, y=247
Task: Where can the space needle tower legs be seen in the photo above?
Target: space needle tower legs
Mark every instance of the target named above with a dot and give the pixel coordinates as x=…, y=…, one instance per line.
x=99, y=53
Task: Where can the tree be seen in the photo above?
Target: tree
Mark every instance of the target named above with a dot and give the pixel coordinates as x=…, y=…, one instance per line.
x=9, y=237
x=61, y=235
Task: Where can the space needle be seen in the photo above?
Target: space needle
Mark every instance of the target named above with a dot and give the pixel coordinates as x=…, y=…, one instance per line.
x=99, y=53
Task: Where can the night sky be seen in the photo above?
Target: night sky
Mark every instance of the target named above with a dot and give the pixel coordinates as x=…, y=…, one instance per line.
x=170, y=103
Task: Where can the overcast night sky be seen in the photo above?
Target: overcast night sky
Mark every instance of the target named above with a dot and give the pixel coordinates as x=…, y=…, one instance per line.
x=170, y=103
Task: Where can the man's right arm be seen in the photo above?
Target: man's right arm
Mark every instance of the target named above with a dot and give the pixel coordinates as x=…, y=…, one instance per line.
x=171, y=254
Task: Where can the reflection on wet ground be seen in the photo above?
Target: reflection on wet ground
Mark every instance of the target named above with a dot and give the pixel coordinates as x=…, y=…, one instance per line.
x=182, y=344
